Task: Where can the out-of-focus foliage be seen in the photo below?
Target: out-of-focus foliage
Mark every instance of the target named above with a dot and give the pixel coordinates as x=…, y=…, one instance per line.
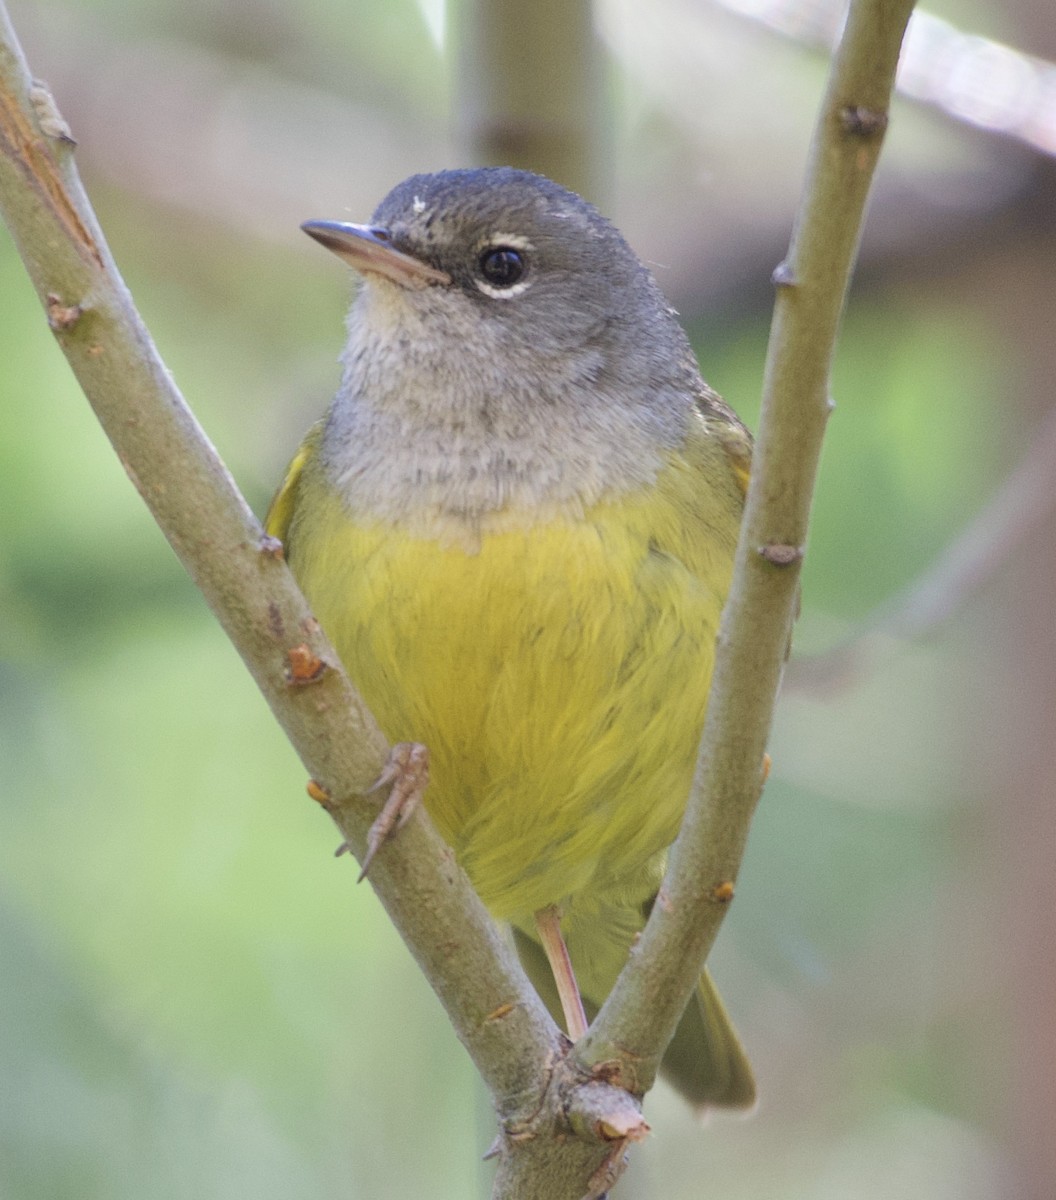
x=195, y=1001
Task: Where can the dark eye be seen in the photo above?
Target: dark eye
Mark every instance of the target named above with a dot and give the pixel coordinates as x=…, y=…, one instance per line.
x=502, y=266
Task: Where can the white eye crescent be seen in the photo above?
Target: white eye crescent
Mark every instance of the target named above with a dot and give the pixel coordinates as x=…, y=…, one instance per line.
x=503, y=266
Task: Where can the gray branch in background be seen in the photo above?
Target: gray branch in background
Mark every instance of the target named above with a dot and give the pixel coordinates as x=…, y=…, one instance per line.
x=1017, y=509
x=530, y=89
x=981, y=82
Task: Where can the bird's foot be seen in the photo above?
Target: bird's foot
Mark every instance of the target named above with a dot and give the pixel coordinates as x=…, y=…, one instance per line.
x=407, y=772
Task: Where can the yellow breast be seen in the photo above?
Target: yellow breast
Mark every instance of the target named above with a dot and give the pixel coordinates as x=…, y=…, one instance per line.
x=558, y=675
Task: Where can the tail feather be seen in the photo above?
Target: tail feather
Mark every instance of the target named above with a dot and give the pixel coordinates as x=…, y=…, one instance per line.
x=705, y=1060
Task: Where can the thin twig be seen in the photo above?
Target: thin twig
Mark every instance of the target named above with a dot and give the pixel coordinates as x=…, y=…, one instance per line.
x=640, y=1016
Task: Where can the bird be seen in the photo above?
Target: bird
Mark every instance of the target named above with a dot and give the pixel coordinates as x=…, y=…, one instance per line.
x=517, y=524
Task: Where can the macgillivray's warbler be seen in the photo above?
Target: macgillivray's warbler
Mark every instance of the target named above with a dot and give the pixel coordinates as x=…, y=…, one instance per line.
x=517, y=525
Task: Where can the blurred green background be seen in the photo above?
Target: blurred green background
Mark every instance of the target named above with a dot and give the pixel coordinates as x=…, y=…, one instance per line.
x=195, y=1000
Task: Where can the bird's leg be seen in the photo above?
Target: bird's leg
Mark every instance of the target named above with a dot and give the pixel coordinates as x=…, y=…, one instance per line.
x=407, y=770
x=548, y=923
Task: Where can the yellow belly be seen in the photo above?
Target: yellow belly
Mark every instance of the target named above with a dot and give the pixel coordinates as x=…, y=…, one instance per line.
x=558, y=675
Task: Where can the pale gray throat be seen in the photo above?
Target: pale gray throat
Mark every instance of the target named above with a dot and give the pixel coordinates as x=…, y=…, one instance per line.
x=462, y=437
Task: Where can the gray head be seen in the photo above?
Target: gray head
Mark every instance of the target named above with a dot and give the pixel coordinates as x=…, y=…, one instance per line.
x=507, y=353
x=504, y=265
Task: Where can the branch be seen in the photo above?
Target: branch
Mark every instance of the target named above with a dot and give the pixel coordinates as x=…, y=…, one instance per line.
x=530, y=90
x=494, y=1009
x=640, y=1015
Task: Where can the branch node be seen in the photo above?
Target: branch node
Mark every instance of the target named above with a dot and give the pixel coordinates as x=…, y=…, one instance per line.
x=62, y=316
x=783, y=275
x=271, y=547
x=618, y=1073
x=779, y=554
x=317, y=792
x=863, y=122
x=497, y=1014
x=722, y=893
x=620, y=1129
x=600, y=1111
x=51, y=121
x=304, y=666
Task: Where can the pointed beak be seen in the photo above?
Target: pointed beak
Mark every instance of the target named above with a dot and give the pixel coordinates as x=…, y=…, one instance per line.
x=369, y=248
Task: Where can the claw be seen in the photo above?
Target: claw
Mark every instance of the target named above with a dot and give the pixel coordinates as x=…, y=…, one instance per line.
x=407, y=771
